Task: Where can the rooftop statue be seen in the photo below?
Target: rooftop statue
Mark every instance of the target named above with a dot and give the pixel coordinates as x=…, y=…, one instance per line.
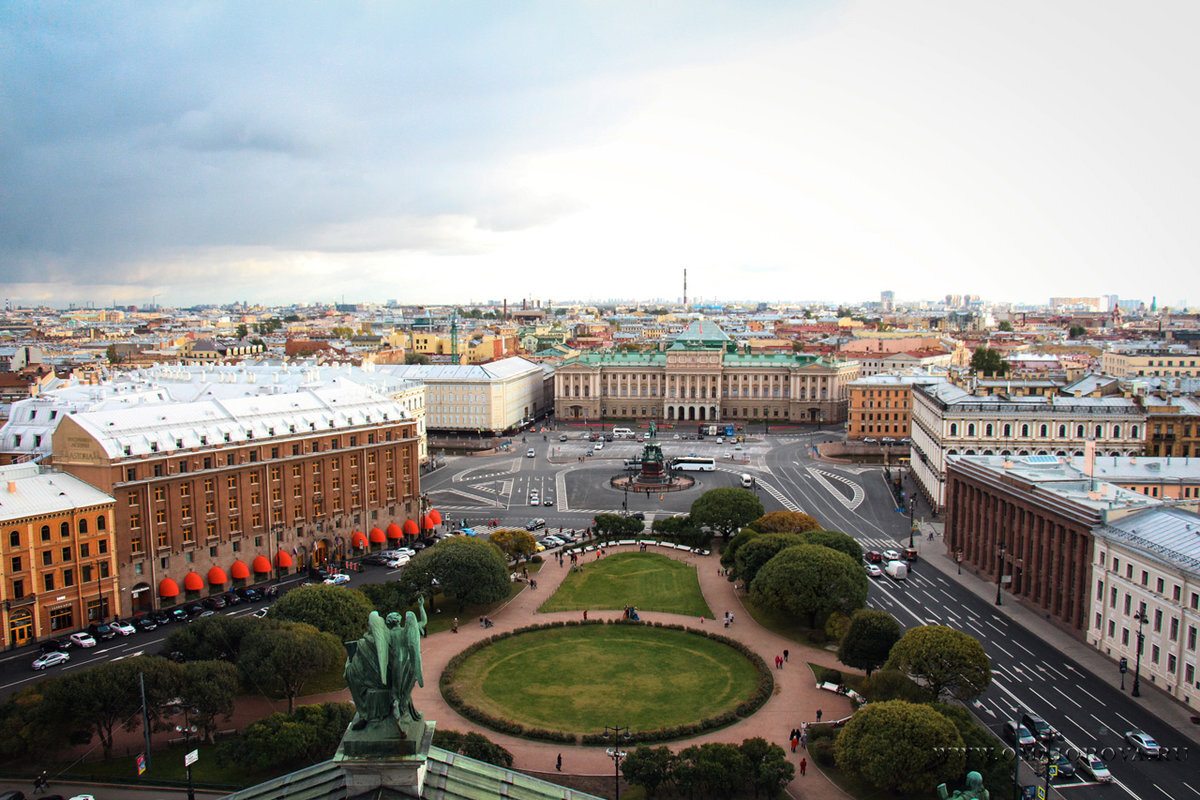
x=384, y=665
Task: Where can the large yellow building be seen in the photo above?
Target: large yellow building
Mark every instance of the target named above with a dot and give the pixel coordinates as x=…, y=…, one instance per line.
x=702, y=376
x=1176, y=362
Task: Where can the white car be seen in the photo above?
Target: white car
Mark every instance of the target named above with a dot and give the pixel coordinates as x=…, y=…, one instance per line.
x=51, y=659
x=122, y=627
x=530, y=453
x=534, y=500
x=892, y=555
x=1093, y=767
x=338, y=579
x=83, y=639
x=393, y=563
x=873, y=571
x=260, y=613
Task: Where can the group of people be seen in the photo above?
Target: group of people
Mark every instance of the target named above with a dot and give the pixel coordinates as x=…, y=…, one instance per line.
x=486, y=622
x=631, y=612
x=781, y=659
x=728, y=618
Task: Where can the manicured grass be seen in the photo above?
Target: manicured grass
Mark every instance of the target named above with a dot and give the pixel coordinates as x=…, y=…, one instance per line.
x=576, y=678
x=648, y=581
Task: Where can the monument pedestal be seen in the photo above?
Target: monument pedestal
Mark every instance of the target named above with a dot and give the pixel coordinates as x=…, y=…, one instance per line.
x=385, y=754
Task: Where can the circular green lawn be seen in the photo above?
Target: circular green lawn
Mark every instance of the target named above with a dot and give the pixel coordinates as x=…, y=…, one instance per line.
x=582, y=678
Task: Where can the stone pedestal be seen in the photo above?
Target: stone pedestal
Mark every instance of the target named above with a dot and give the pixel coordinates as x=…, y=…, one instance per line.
x=385, y=754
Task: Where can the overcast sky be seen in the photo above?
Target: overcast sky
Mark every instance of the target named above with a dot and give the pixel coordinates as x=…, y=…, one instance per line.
x=437, y=152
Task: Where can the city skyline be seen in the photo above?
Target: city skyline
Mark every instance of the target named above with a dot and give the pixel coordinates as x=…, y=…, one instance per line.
x=185, y=155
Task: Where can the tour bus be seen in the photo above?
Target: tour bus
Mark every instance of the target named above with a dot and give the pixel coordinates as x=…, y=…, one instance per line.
x=622, y=433
x=694, y=464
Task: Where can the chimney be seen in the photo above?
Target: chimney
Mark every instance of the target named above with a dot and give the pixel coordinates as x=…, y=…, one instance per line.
x=12, y=487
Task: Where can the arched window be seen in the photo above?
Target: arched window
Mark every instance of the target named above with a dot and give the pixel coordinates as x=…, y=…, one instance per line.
x=987, y=430
x=1062, y=431
x=1024, y=431
x=1116, y=431
x=83, y=527
x=971, y=429
x=954, y=429
x=1078, y=431
x=1099, y=431
x=1133, y=431
x=101, y=524
x=1044, y=431
x=45, y=533
x=65, y=530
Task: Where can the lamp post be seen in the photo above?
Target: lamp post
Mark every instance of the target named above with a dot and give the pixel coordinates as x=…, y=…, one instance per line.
x=616, y=754
x=1140, y=616
x=912, y=529
x=999, y=573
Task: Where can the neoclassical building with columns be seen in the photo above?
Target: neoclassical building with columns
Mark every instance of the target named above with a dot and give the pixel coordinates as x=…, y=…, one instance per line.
x=703, y=377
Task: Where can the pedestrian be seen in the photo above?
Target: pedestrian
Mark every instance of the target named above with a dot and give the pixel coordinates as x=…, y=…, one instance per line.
x=481, y=622
x=785, y=654
x=730, y=617
x=454, y=626
x=818, y=715
x=558, y=763
x=803, y=765
x=778, y=662
x=585, y=615
x=803, y=740
x=40, y=783
x=795, y=740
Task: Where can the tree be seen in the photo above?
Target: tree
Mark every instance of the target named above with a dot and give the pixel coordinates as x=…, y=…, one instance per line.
x=111, y=354
x=810, y=580
x=241, y=332
x=283, y=659
x=516, y=544
x=987, y=361
x=869, y=640
x=729, y=553
x=785, y=522
x=715, y=769
x=209, y=688
x=304, y=736
x=392, y=595
x=416, y=358
x=947, y=661
x=336, y=609
x=900, y=747
x=727, y=509
x=617, y=525
x=767, y=766
x=473, y=745
x=29, y=728
x=836, y=540
x=216, y=637
x=469, y=569
x=754, y=554
x=1077, y=332
x=648, y=767
x=682, y=530
x=1005, y=326
x=982, y=755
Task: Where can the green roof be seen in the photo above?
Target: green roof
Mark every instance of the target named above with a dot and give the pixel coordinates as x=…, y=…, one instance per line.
x=702, y=335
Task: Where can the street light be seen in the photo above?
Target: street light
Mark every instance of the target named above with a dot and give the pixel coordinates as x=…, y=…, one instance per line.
x=999, y=573
x=616, y=753
x=912, y=509
x=1140, y=616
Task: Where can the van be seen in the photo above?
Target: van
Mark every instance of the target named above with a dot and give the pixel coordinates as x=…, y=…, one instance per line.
x=622, y=433
x=747, y=481
x=896, y=570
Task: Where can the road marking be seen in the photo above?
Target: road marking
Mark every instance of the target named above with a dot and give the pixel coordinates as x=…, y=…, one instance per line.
x=779, y=496
x=851, y=503
x=1188, y=785
x=1070, y=700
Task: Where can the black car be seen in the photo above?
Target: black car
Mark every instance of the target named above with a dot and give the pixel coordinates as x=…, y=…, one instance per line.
x=144, y=622
x=215, y=602
x=180, y=615
x=102, y=630
x=164, y=617
x=232, y=599
x=55, y=645
x=194, y=611
x=249, y=594
x=375, y=560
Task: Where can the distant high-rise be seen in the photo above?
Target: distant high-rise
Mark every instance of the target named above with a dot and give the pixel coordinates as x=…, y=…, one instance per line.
x=887, y=300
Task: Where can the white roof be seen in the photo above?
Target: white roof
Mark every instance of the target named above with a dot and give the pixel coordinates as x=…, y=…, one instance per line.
x=501, y=370
x=27, y=490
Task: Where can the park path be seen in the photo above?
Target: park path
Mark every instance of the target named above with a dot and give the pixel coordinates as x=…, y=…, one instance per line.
x=795, y=701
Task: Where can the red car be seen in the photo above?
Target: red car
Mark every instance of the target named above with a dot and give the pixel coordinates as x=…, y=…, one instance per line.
x=873, y=557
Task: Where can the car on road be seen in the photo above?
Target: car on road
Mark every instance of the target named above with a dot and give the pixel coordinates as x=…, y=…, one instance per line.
x=250, y=594
x=54, y=645
x=562, y=437
x=260, y=612
x=1037, y=726
x=597, y=447
x=216, y=602
x=122, y=627
x=82, y=639
x=144, y=622
x=910, y=554
x=873, y=557
x=1093, y=767
x=535, y=499
x=338, y=579
x=375, y=560
x=1062, y=764
x=51, y=659
x=395, y=562
x=892, y=555
x=535, y=524
x=636, y=515
x=530, y=453
x=102, y=630
x=873, y=571
x=549, y=501
x=1017, y=734
x=888, y=440
x=1144, y=743
x=232, y=598
x=870, y=440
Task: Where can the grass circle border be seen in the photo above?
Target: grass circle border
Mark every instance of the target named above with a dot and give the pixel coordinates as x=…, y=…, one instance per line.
x=763, y=692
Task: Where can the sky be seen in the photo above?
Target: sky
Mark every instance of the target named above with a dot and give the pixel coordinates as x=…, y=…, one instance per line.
x=454, y=152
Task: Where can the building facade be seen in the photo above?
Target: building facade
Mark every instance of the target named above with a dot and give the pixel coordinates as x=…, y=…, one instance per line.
x=702, y=376
x=487, y=398
x=949, y=420
x=881, y=405
x=57, y=555
x=1130, y=363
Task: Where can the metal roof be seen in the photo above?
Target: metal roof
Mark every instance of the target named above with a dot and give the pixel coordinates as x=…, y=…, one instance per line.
x=28, y=490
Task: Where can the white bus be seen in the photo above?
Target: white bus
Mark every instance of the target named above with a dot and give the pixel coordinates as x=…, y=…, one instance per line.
x=622, y=433
x=694, y=464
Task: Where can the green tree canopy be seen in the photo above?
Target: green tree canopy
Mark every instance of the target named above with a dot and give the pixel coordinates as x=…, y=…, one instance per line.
x=282, y=659
x=758, y=551
x=947, y=661
x=209, y=688
x=714, y=769
x=416, y=358
x=617, y=525
x=729, y=553
x=392, y=595
x=473, y=745
x=281, y=741
x=982, y=753
x=216, y=637
x=785, y=522
x=811, y=581
x=987, y=361
x=869, y=640
x=767, y=766
x=727, y=509
x=649, y=767
x=471, y=570
x=515, y=543
x=900, y=747
x=29, y=729
x=1077, y=332
x=836, y=540
x=1005, y=326
x=683, y=530
x=335, y=609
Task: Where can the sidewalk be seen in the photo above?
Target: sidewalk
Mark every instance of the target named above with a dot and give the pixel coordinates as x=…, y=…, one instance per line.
x=1102, y=669
x=795, y=701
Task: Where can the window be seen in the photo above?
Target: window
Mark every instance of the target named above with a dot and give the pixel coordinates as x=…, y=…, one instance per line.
x=1191, y=637
x=160, y=517
x=64, y=530
x=1174, y=629
x=135, y=546
x=231, y=481
x=1125, y=636
x=61, y=619
x=48, y=582
x=1159, y=584
x=185, y=511
x=159, y=493
x=275, y=473
x=1154, y=653
x=185, y=490
x=68, y=577
x=208, y=484
x=1158, y=617
x=1128, y=604
x=135, y=521
x=14, y=538
x=189, y=535
x=16, y=564
x=1145, y=578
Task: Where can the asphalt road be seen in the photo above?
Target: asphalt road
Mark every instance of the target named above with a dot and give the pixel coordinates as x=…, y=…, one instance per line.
x=1029, y=673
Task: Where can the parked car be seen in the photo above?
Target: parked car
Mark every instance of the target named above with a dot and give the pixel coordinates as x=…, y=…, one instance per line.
x=1017, y=734
x=180, y=615
x=232, y=598
x=215, y=602
x=145, y=622
x=102, y=630
x=51, y=659
x=163, y=618
x=83, y=639
x=870, y=440
x=1093, y=767
x=338, y=579
x=55, y=645
x=1062, y=764
x=250, y=594
x=1037, y=726
x=122, y=627
x=873, y=571
x=395, y=562
x=1144, y=743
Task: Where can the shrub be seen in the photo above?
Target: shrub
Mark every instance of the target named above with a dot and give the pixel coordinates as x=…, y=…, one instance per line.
x=890, y=684
x=822, y=751
x=827, y=675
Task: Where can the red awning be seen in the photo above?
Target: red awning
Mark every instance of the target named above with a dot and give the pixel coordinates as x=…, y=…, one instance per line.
x=262, y=565
x=216, y=577
x=394, y=532
x=193, y=582
x=357, y=540
x=436, y=516
x=168, y=588
x=282, y=559
x=426, y=523
x=239, y=570
x=377, y=536
x=410, y=528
